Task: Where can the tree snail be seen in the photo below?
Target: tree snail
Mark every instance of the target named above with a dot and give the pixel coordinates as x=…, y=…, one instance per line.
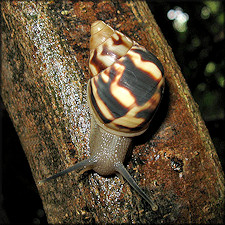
x=124, y=91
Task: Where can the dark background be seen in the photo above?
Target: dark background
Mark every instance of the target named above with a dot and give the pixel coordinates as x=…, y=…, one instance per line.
x=198, y=46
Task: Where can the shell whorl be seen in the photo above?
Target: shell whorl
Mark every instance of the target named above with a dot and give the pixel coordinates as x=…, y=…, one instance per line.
x=126, y=86
x=99, y=33
x=106, y=46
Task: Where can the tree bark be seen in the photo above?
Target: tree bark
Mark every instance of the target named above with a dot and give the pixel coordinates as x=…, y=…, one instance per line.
x=43, y=85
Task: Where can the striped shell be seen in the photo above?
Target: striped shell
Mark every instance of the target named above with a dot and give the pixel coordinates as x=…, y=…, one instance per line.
x=127, y=82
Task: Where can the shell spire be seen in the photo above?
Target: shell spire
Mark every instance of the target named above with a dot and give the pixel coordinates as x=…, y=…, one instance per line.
x=99, y=33
x=106, y=46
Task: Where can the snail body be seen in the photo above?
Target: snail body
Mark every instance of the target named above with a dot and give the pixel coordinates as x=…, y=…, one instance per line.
x=124, y=91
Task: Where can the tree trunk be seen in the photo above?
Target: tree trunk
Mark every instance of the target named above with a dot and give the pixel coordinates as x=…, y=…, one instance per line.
x=45, y=49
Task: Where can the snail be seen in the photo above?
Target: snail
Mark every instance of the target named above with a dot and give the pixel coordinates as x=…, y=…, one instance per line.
x=124, y=91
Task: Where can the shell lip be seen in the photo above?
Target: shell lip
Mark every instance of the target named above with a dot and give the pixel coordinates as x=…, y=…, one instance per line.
x=105, y=127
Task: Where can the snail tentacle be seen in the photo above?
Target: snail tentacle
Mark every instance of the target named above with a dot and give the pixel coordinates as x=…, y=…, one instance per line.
x=87, y=164
x=122, y=170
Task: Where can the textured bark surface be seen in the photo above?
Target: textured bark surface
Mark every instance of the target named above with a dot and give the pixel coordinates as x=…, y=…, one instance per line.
x=43, y=86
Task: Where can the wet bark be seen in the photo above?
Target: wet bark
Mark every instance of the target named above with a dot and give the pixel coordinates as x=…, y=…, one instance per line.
x=43, y=86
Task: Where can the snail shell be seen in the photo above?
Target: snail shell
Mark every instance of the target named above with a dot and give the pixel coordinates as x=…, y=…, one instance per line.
x=126, y=84
x=124, y=91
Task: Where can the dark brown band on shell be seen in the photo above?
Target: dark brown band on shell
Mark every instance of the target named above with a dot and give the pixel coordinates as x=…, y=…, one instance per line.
x=125, y=95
